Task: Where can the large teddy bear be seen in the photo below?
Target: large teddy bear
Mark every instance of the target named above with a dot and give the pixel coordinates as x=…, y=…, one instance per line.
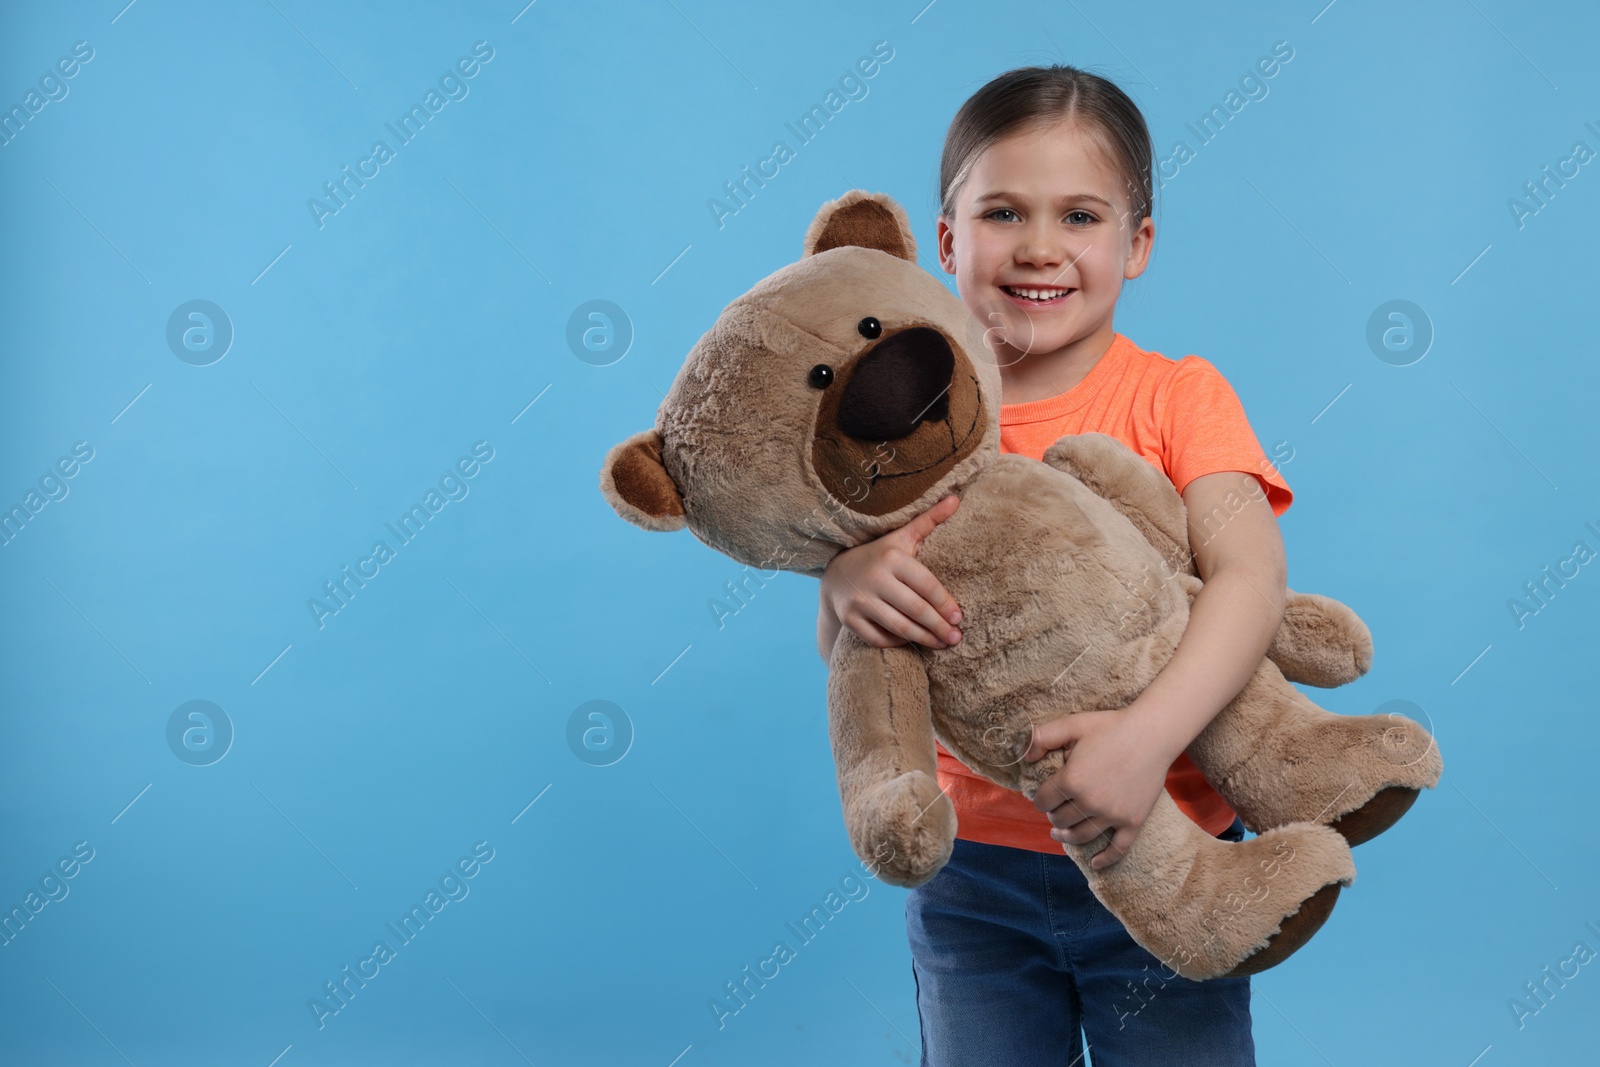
x=848, y=392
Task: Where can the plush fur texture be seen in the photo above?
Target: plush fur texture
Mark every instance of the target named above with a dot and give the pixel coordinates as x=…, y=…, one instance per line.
x=1074, y=576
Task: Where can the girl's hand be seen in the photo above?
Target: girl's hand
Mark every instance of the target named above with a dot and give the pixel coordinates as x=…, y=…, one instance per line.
x=1115, y=772
x=885, y=595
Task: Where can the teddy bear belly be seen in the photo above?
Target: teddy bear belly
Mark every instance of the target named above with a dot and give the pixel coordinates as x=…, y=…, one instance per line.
x=1062, y=611
x=986, y=696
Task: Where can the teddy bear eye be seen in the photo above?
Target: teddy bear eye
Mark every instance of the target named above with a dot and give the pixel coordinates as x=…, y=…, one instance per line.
x=821, y=375
x=869, y=328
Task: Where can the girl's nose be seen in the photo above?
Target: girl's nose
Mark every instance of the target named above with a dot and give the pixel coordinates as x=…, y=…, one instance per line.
x=1041, y=248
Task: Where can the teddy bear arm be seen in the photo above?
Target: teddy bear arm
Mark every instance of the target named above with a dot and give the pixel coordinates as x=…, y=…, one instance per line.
x=1112, y=470
x=880, y=724
x=1320, y=641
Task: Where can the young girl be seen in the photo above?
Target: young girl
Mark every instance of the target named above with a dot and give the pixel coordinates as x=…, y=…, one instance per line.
x=1046, y=194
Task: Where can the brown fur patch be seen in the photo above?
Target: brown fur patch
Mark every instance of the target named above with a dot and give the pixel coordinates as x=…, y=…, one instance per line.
x=865, y=220
x=636, y=484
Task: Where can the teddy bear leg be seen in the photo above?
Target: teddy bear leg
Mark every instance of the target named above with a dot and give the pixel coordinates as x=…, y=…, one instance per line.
x=880, y=723
x=1209, y=908
x=1278, y=758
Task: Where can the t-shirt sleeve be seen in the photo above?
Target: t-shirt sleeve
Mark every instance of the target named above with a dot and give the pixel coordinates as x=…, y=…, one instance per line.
x=1204, y=430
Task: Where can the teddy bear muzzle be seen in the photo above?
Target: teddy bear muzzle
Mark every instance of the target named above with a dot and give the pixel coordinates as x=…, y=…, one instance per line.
x=897, y=385
x=896, y=420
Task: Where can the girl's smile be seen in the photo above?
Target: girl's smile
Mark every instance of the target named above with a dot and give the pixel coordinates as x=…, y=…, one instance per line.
x=1035, y=297
x=1040, y=237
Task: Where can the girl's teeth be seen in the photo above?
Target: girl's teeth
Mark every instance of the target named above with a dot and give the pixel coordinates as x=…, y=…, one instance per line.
x=1037, y=294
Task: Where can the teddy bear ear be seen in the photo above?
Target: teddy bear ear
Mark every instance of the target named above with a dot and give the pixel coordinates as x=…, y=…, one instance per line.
x=868, y=220
x=635, y=483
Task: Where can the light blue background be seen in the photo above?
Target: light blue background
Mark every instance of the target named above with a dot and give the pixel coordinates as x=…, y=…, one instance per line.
x=432, y=309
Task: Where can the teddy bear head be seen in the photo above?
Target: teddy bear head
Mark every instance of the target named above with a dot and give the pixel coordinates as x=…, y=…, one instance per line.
x=833, y=402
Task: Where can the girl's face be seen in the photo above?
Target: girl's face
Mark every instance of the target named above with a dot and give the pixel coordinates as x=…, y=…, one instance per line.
x=1043, y=210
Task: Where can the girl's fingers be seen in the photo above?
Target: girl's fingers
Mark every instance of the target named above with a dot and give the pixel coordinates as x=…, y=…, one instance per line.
x=1079, y=833
x=1060, y=732
x=924, y=524
x=873, y=634
x=889, y=617
x=919, y=613
x=899, y=596
x=925, y=585
x=1121, y=842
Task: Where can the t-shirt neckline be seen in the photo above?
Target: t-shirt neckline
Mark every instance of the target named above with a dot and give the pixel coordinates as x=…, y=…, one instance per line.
x=1054, y=406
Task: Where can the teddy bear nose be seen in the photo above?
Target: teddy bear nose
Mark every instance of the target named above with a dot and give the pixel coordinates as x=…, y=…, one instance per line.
x=897, y=385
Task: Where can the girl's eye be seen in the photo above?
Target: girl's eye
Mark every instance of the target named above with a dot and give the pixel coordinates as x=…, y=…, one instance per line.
x=1077, y=218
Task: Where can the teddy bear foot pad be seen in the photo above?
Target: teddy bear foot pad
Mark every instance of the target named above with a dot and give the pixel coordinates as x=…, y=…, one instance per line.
x=1296, y=930
x=1376, y=815
x=1208, y=908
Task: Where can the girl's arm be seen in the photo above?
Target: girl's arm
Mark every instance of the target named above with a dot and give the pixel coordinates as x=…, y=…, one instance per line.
x=1119, y=758
x=1238, y=550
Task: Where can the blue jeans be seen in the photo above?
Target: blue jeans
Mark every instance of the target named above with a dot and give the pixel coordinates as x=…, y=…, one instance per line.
x=1012, y=955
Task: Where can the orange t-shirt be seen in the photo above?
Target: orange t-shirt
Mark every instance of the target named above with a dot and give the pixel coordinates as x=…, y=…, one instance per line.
x=1182, y=416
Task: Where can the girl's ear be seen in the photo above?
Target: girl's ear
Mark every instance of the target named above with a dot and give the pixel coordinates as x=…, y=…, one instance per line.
x=867, y=220
x=635, y=483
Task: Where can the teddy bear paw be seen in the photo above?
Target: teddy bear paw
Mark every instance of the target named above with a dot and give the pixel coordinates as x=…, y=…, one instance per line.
x=906, y=829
